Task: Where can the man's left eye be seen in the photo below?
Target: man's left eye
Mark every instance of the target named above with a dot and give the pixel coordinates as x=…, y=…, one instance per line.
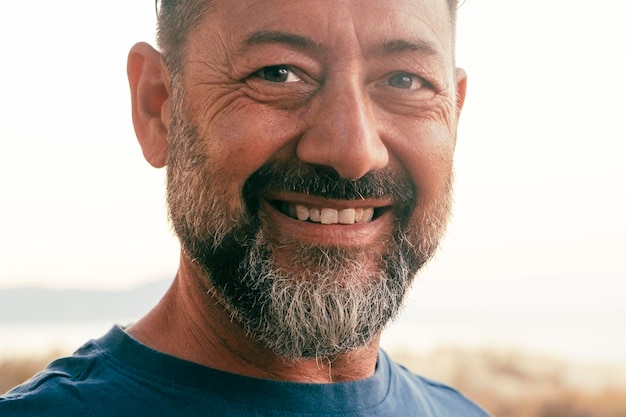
x=278, y=74
x=405, y=81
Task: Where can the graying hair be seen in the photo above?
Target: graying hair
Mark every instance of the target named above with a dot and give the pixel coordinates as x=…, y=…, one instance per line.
x=177, y=18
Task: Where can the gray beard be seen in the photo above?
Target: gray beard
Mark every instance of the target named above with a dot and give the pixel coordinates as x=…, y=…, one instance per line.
x=325, y=300
x=326, y=304
x=321, y=302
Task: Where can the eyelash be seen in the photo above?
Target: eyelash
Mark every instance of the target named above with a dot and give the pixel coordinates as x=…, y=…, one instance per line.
x=285, y=74
x=285, y=70
x=412, y=78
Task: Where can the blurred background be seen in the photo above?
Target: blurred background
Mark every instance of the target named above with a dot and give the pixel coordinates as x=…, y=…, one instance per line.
x=526, y=297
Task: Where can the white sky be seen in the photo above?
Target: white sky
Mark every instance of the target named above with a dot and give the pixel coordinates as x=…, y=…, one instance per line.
x=540, y=193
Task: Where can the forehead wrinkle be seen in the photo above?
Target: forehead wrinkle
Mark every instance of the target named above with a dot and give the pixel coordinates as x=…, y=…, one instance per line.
x=268, y=37
x=400, y=46
x=421, y=36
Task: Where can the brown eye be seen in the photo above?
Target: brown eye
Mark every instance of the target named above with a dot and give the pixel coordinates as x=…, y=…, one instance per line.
x=278, y=74
x=403, y=80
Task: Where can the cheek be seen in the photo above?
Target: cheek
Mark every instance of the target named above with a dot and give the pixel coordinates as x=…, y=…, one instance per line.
x=426, y=155
x=243, y=137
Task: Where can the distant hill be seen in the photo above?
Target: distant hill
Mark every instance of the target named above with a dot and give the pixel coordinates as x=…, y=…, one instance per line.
x=31, y=304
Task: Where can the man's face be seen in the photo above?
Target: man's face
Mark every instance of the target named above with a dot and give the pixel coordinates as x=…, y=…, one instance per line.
x=310, y=162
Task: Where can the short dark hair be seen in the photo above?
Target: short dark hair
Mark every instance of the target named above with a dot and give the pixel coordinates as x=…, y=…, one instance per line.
x=176, y=18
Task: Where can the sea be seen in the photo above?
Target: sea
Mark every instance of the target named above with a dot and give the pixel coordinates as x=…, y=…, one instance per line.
x=599, y=339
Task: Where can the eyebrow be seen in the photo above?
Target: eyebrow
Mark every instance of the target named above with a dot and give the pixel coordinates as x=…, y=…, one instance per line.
x=272, y=37
x=390, y=47
x=401, y=45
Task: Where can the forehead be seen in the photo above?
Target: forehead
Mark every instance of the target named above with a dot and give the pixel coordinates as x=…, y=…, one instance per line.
x=335, y=23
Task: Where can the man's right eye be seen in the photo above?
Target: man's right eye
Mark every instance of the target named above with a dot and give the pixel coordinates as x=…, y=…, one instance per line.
x=278, y=74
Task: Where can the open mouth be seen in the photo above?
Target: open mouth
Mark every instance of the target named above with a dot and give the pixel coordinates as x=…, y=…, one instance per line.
x=325, y=215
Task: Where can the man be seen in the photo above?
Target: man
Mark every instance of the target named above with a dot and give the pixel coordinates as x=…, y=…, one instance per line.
x=309, y=153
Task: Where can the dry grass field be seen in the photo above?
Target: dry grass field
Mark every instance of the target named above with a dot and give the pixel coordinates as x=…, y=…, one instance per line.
x=14, y=371
x=515, y=384
x=506, y=384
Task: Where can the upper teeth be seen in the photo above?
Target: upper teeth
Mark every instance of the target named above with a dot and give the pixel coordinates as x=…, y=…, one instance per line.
x=329, y=215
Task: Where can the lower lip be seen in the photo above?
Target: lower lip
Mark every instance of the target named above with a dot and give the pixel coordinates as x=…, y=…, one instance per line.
x=352, y=235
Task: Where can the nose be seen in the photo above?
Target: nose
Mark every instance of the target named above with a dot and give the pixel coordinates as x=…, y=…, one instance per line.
x=343, y=134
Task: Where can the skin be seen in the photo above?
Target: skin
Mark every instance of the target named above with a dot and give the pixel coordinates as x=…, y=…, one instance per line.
x=368, y=85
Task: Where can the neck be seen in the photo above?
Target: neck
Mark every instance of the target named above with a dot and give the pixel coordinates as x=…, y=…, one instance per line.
x=190, y=323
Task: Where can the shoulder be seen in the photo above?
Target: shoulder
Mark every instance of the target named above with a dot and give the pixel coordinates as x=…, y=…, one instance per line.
x=436, y=398
x=83, y=384
x=112, y=375
x=450, y=400
x=53, y=391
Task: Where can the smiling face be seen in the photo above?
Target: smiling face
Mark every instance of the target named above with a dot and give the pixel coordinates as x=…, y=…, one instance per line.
x=310, y=161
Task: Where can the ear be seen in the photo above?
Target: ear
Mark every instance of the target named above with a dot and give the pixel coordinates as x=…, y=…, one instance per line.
x=461, y=89
x=150, y=97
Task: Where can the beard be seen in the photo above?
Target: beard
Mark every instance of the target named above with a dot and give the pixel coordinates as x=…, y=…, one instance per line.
x=317, y=301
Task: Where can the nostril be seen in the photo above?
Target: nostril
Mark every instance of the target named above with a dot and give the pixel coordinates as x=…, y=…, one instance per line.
x=346, y=142
x=324, y=171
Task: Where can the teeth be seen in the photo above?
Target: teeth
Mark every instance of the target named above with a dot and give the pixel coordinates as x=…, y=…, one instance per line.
x=368, y=215
x=358, y=215
x=328, y=215
x=347, y=216
x=302, y=212
x=292, y=211
x=315, y=215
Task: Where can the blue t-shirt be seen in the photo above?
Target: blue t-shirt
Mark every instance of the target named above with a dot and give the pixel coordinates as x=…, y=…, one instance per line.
x=118, y=376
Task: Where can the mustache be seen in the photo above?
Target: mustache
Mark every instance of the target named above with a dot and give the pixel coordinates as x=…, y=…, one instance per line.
x=320, y=181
